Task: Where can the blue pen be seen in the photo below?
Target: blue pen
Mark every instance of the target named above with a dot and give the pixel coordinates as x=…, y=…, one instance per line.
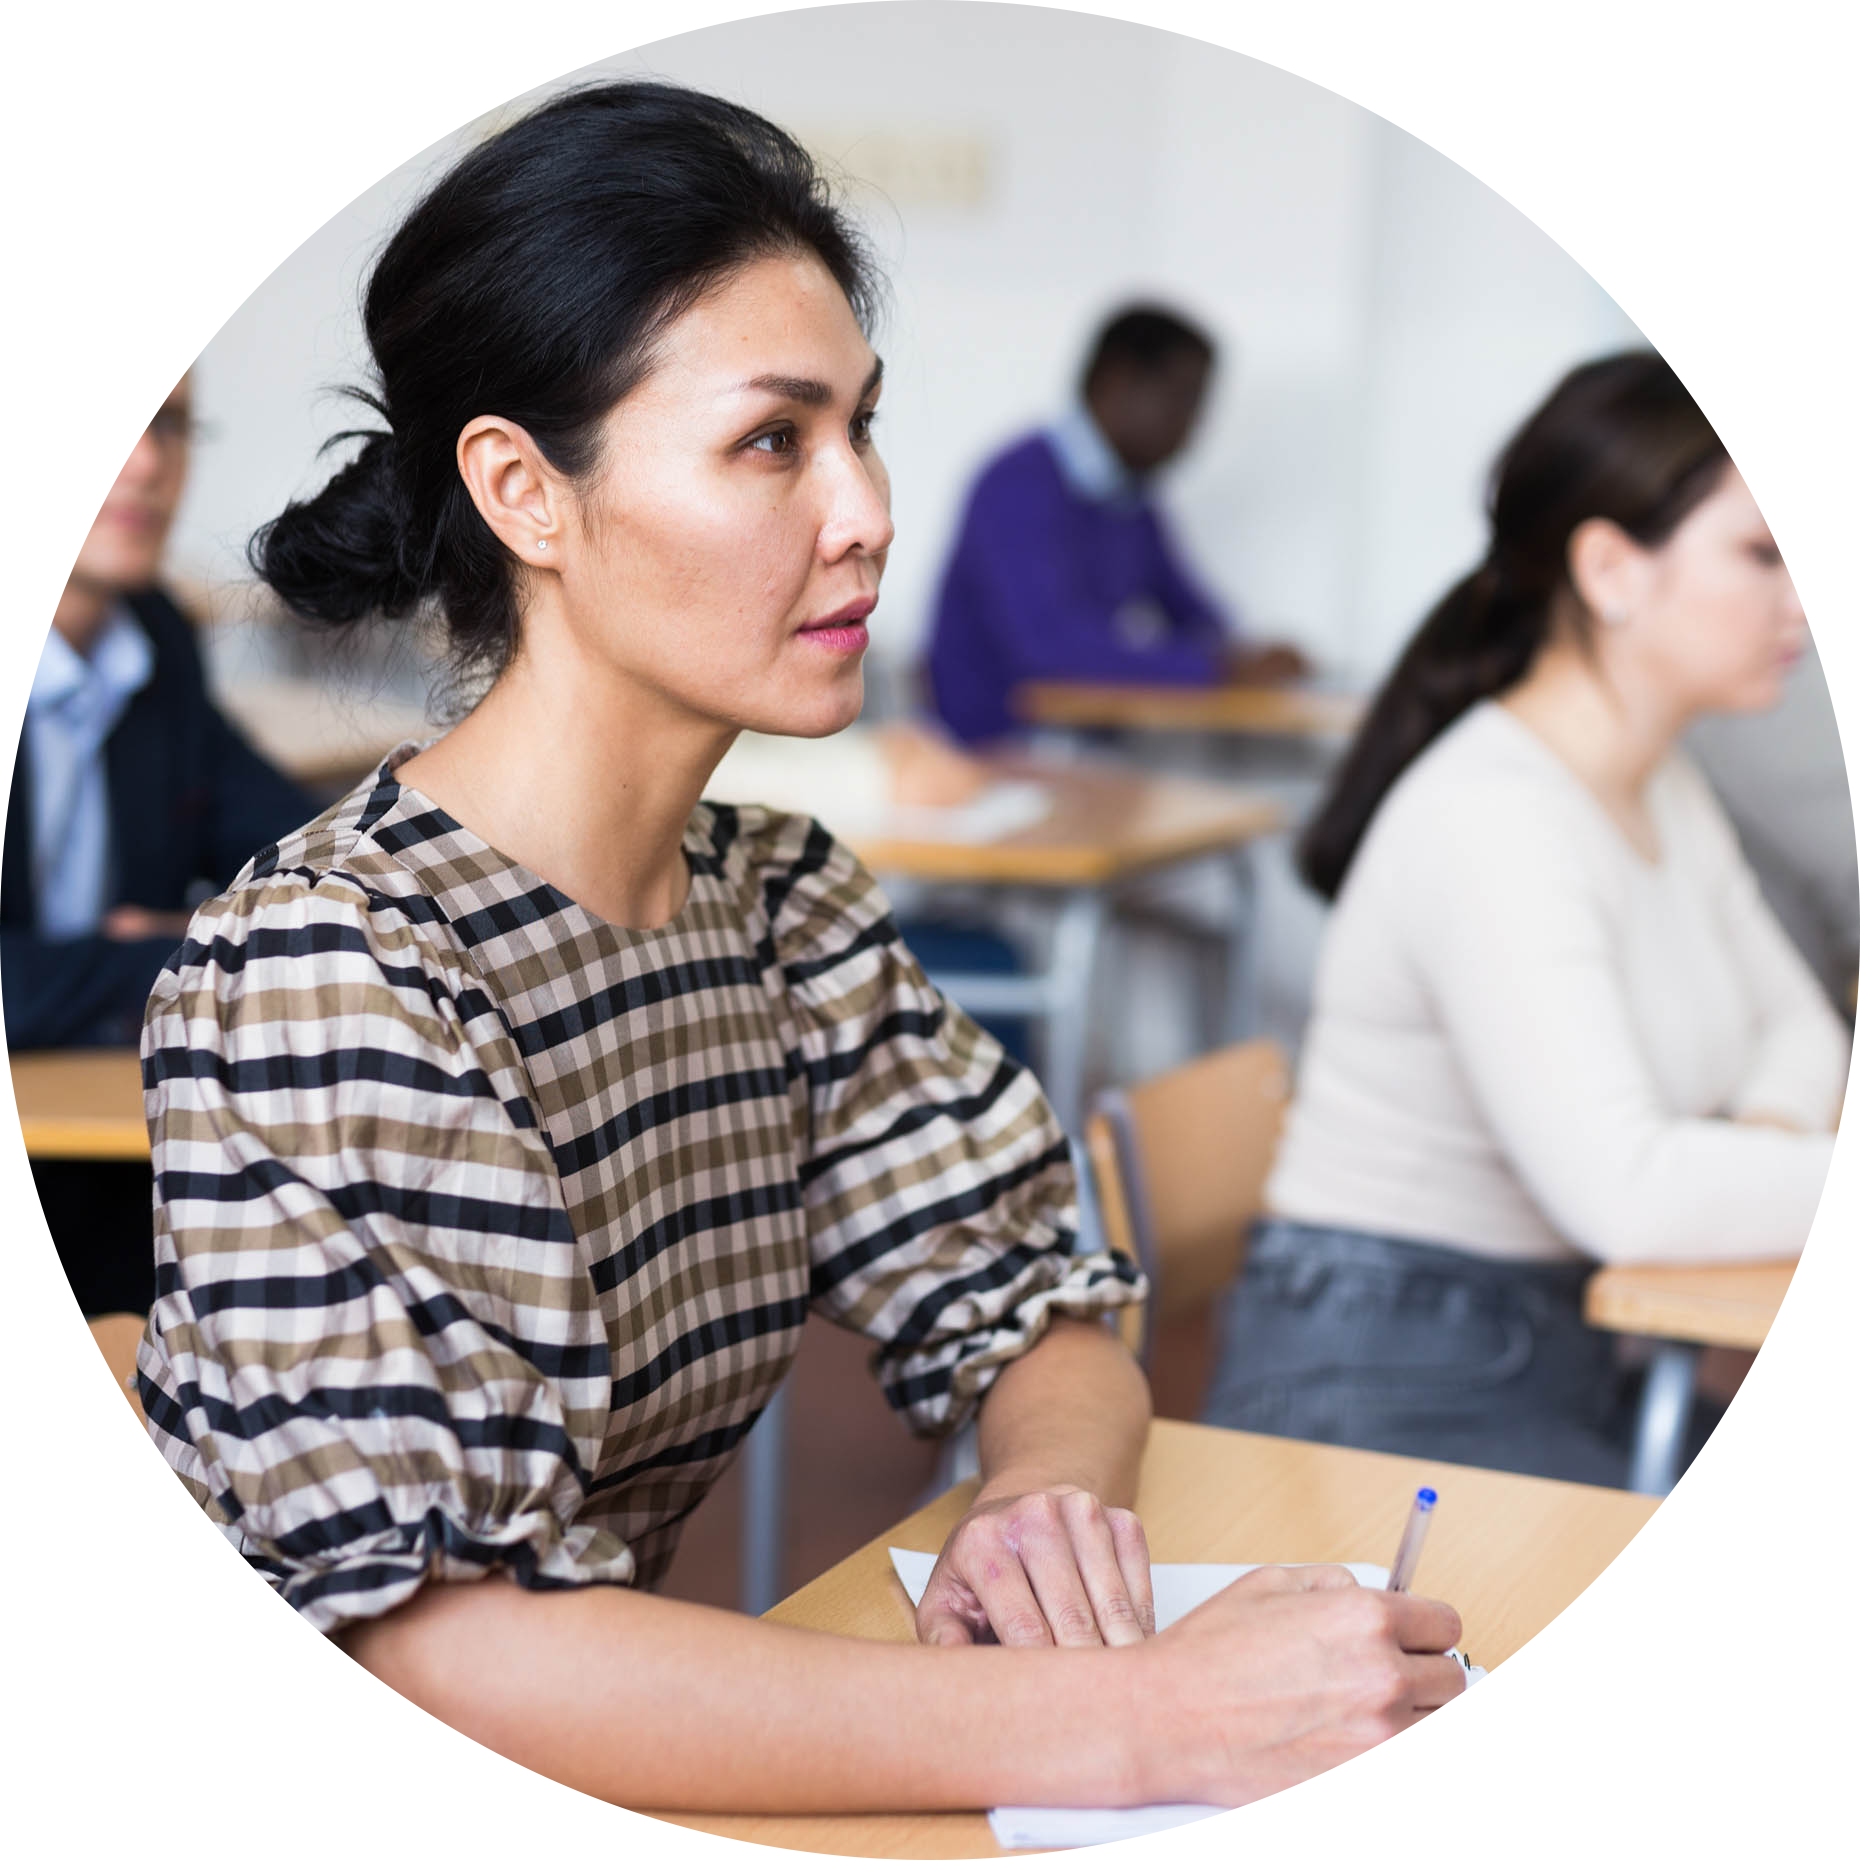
x=1401, y=1572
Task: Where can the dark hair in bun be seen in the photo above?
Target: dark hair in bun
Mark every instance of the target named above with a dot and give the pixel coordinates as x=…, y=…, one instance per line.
x=530, y=282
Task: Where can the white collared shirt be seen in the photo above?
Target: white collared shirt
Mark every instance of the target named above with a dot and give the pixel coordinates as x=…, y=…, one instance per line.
x=1087, y=460
x=1089, y=464
x=75, y=702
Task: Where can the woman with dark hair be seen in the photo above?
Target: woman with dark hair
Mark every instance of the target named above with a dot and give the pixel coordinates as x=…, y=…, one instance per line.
x=1554, y=1023
x=510, y=1118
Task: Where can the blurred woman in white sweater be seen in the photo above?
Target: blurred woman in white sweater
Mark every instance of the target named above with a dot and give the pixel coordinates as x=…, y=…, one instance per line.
x=1554, y=1022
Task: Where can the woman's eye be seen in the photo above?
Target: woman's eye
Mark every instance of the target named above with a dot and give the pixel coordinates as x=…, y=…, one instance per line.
x=861, y=428
x=778, y=443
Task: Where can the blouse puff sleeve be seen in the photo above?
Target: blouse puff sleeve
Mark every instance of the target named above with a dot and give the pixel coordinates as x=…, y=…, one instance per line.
x=940, y=1198
x=374, y=1354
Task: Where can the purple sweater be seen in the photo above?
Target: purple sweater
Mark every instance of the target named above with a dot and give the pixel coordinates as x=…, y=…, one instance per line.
x=1034, y=586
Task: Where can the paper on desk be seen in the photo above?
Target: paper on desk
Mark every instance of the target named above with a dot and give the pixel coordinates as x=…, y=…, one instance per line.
x=843, y=781
x=1178, y=1588
x=1003, y=807
x=1088, y=1827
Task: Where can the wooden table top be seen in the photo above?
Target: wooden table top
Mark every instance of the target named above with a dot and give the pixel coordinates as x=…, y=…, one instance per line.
x=1729, y=1305
x=118, y=1335
x=1105, y=824
x=1509, y=1553
x=320, y=736
x=1241, y=710
x=85, y=1105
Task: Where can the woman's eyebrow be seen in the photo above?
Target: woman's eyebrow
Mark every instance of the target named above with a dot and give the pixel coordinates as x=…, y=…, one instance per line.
x=808, y=392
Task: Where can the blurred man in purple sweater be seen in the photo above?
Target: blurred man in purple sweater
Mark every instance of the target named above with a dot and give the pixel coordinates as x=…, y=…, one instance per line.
x=1062, y=567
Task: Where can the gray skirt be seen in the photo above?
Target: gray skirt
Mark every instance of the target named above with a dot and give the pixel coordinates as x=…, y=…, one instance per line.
x=1366, y=1341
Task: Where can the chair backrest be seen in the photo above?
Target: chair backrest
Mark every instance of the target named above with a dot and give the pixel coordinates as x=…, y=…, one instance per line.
x=1179, y=1166
x=118, y=1336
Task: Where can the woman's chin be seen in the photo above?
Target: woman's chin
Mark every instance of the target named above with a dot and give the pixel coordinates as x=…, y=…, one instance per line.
x=1754, y=694
x=817, y=713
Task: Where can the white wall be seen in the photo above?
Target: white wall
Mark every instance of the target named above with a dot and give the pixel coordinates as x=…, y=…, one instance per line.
x=1386, y=317
x=1470, y=317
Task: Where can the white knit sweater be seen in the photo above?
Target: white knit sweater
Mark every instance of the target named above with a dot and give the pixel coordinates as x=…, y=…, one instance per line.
x=1529, y=1042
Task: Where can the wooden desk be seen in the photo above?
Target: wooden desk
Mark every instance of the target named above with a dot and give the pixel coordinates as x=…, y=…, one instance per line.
x=119, y=1336
x=1687, y=1308
x=321, y=737
x=1509, y=1553
x=1107, y=825
x=1227, y=710
x=85, y=1105
x=1730, y=1305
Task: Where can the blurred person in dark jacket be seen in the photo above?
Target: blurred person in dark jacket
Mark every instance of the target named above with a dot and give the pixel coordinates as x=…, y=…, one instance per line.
x=132, y=797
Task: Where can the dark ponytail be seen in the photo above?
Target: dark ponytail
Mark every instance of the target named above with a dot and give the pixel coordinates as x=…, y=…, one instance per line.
x=1618, y=438
x=531, y=282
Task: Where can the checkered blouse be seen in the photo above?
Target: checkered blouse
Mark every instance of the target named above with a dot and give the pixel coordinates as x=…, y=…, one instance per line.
x=485, y=1229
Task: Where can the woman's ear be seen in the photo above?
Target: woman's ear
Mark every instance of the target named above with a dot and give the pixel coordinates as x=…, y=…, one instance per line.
x=1608, y=570
x=515, y=492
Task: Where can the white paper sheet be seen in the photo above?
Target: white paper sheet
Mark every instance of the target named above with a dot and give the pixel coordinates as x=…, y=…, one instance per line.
x=1178, y=1588
x=1088, y=1827
x=1002, y=808
x=844, y=780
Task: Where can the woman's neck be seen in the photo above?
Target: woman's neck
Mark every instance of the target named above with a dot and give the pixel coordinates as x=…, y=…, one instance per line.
x=582, y=775
x=1610, y=728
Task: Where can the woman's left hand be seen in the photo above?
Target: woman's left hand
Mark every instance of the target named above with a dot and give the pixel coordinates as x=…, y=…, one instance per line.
x=1055, y=1567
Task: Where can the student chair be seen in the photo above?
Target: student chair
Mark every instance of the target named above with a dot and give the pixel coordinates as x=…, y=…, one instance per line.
x=118, y=1336
x=1178, y=1169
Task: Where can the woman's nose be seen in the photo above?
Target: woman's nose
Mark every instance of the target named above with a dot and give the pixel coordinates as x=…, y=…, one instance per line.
x=858, y=515
x=1792, y=604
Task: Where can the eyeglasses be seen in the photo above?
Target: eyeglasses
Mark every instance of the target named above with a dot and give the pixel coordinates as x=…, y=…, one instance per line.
x=173, y=427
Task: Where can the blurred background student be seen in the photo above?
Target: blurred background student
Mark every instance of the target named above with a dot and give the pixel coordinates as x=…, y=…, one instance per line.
x=1554, y=1020
x=1063, y=567
x=132, y=798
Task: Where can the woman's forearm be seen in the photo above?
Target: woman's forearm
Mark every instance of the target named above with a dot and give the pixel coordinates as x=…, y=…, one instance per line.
x=660, y=1704
x=1073, y=1411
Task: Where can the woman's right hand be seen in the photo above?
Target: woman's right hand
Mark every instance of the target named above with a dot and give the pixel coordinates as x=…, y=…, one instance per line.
x=1286, y=1673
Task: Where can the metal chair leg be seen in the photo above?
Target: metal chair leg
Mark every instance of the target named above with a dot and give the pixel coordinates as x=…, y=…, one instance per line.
x=1074, y=955
x=1665, y=1410
x=1241, y=1008
x=765, y=1505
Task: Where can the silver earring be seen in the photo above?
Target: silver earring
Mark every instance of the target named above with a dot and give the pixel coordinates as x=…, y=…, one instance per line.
x=542, y=542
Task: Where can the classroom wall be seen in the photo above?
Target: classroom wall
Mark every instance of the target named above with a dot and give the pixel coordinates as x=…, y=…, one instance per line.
x=1386, y=317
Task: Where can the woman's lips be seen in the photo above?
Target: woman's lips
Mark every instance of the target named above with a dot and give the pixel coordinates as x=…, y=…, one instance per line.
x=851, y=638
x=843, y=631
